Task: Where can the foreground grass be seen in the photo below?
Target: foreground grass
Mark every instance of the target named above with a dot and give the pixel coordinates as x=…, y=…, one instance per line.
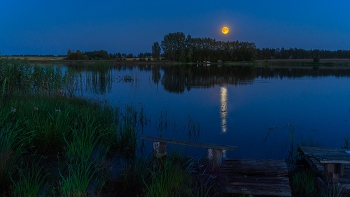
x=70, y=140
x=75, y=134
x=55, y=144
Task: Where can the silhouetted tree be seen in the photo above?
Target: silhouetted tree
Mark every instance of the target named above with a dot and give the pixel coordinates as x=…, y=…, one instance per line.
x=156, y=51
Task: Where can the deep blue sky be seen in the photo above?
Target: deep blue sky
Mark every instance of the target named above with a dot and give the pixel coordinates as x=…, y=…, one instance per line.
x=53, y=27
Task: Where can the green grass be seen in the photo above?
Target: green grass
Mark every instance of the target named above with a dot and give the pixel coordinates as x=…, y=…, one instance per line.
x=81, y=178
x=80, y=131
x=11, y=150
x=132, y=175
x=334, y=191
x=303, y=183
x=30, y=180
x=50, y=121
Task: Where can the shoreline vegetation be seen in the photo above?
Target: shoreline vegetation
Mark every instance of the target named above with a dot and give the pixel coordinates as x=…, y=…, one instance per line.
x=344, y=62
x=56, y=144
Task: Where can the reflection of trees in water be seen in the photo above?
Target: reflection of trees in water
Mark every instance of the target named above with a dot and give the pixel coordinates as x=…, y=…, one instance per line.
x=96, y=79
x=296, y=72
x=156, y=74
x=179, y=78
x=99, y=83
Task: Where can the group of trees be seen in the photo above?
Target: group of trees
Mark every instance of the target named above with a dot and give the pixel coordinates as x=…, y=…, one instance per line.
x=34, y=55
x=178, y=47
x=89, y=55
x=295, y=53
x=102, y=55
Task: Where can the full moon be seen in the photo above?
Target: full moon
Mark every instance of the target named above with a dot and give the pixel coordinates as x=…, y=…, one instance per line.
x=225, y=30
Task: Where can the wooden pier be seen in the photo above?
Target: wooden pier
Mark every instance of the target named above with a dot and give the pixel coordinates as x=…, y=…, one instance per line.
x=257, y=177
x=332, y=166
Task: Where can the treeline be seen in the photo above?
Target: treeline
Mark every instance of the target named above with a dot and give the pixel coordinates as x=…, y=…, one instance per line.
x=102, y=55
x=178, y=47
x=29, y=55
x=295, y=53
x=89, y=55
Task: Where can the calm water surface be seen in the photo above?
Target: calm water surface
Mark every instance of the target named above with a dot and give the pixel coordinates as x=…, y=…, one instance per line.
x=260, y=110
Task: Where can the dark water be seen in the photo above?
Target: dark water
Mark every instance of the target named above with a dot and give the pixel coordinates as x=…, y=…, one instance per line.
x=259, y=109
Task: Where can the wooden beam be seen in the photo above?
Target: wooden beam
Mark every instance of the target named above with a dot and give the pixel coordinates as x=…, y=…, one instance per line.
x=197, y=144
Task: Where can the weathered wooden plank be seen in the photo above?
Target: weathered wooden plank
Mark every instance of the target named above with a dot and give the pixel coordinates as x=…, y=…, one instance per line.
x=277, y=181
x=256, y=167
x=311, y=148
x=257, y=177
x=331, y=164
x=197, y=144
x=257, y=190
x=318, y=167
x=327, y=155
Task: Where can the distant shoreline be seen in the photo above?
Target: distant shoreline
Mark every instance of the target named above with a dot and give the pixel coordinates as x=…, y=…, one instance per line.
x=135, y=61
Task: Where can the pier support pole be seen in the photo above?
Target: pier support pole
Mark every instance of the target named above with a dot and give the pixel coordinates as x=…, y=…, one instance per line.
x=159, y=149
x=214, y=156
x=332, y=172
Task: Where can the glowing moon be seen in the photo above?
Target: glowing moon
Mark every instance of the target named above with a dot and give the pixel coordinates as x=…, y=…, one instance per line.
x=225, y=30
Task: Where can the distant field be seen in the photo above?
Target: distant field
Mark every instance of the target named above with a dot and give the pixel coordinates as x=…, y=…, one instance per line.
x=35, y=58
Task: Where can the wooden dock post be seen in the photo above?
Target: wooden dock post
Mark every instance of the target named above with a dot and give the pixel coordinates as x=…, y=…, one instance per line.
x=327, y=162
x=214, y=156
x=159, y=149
x=332, y=172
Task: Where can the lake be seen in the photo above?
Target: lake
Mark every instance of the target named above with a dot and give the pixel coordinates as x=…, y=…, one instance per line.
x=259, y=109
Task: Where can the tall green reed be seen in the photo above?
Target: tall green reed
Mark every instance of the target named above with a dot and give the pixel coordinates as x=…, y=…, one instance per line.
x=11, y=151
x=169, y=178
x=20, y=78
x=126, y=120
x=13, y=139
x=51, y=120
x=132, y=174
x=85, y=138
x=30, y=180
x=81, y=178
x=336, y=190
x=303, y=183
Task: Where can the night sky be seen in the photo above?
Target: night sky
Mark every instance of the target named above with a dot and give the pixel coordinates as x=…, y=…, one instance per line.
x=52, y=27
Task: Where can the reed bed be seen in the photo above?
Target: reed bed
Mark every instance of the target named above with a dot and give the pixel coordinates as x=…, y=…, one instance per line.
x=53, y=143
